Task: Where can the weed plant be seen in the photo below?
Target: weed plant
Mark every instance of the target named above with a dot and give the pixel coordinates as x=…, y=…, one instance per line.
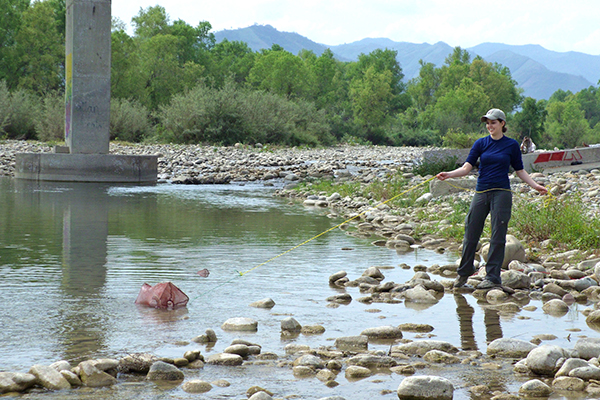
x=565, y=221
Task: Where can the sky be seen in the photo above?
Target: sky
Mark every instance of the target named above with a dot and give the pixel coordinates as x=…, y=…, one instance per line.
x=558, y=25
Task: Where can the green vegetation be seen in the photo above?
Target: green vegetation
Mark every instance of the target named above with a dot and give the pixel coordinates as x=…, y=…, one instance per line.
x=561, y=220
x=172, y=82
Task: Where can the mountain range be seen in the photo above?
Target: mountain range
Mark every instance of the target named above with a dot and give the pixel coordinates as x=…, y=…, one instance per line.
x=540, y=72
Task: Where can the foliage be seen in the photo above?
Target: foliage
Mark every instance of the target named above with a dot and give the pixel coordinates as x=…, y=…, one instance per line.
x=22, y=114
x=50, y=122
x=129, y=121
x=272, y=95
x=231, y=115
x=4, y=106
x=457, y=139
x=566, y=221
x=435, y=166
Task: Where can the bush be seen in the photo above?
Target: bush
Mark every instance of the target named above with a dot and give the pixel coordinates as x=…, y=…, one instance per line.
x=4, y=106
x=129, y=121
x=23, y=111
x=434, y=167
x=50, y=121
x=457, y=139
x=230, y=115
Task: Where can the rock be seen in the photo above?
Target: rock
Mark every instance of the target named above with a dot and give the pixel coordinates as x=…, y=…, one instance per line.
x=49, y=377
x=308, y=360
x=375, y=273
x=440, y=357
x=196, y=386
x=264, y=303
x=326, y=375
x=535, y=388
x=570, y=384
x=139, y=362
x=338, y=275
x=372, y=361
x=225, y=359
x=543, y=359
x=593, y=320
x=211, y=335
x=515, y=279
x=513, y=250
x=587, y=373
x=383, y=332
x=93, y=376
x=71, y=377
x=410, y=327
x=423, y=346
x=239, y=349
x=570, y=365
x=587, y=348
x=260, y=396
x=352, y=343
x=556, y=307
x=161, y=371
x=425, y=388
x=419, y=295
x=240, y=325
x=343, y=298
x=61, y=365
x=290, y=324
x=16, y=381
x=312, y=330
x=356, y=372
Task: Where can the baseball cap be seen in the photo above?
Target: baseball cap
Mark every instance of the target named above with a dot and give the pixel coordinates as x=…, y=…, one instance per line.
x=493, y=114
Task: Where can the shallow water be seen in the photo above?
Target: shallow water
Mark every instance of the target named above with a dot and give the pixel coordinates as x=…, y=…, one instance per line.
x=74, y=257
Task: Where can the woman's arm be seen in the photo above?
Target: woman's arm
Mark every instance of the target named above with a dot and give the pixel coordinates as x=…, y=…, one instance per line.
x=458, y=172
x=529, y=180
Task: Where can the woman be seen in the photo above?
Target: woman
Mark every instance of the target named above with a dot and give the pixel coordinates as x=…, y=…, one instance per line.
x=496, y=153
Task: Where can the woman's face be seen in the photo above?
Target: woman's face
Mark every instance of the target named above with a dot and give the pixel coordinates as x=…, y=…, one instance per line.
x=494, y=126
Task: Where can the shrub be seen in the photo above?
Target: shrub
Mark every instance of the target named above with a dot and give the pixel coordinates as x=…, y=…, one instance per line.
x=129, y=121
x=435, y=166
x=50, y=121
x=23, y=111
x=457, y=139
x=4, y=106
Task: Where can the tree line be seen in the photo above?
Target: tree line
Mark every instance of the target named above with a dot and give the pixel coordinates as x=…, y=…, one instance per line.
x=172, y=82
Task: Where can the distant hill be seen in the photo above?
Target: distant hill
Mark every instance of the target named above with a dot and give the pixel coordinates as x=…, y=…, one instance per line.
x=540, y=72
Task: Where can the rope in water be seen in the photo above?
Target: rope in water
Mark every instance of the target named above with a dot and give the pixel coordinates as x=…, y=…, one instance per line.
x=240, y=274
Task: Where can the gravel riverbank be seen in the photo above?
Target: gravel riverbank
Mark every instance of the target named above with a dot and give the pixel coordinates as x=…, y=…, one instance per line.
x=558, y=278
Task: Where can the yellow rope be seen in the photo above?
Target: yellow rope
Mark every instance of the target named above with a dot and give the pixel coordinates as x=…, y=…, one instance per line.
x=338, y=225
x=549, y=196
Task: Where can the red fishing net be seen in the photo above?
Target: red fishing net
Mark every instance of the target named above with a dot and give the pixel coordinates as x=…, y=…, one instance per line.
x=162, y=295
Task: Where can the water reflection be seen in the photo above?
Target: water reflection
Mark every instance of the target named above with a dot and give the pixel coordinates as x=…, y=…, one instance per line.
x=465, y=312
x=80, y=325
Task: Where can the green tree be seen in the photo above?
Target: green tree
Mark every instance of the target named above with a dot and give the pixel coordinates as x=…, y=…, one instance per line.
x=40, y=49
x=566, y=126
x=11, y=17
x=589, y=101
x=461, y=108
x=530, y=120
x=280, y=72
x=231, y=59
x=371, y=100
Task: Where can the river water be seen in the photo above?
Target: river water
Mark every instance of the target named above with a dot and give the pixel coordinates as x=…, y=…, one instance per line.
x=74, y=256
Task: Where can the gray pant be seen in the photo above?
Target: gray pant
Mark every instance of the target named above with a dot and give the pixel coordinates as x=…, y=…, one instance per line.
x=499, y=204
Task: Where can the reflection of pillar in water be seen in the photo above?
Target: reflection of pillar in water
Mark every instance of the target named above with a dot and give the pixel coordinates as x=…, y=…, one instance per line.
x=491, y=319
x=465, y=312
x=85, y=234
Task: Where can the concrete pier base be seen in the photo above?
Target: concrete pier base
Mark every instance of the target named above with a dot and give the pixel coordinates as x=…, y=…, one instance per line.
x=87, y=167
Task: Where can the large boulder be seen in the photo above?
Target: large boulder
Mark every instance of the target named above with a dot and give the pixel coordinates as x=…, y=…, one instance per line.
x=587, y=348
x=49, y=377
x=162, y=371
x=425, y=388
x=543, y=360
x=515, y=279
x=510, y=348
x=16, y=381
x=423, y=346
x=513, y=250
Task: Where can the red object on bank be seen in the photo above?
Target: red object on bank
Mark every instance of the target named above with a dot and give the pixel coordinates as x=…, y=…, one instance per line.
x=162, y=295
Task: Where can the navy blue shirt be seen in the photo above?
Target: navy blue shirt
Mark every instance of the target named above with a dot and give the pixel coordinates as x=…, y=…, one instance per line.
x=495, y=159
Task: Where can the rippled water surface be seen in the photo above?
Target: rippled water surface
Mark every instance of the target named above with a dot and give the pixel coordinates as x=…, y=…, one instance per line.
x=74, y=256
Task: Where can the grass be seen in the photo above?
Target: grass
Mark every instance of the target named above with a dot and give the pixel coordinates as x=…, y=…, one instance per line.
x=567, y=222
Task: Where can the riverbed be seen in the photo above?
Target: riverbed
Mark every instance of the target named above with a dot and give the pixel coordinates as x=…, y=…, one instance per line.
x=74, y=257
